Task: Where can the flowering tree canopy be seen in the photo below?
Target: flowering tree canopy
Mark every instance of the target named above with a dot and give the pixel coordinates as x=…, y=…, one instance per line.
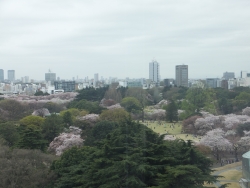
x=216, y=139
x=63, y=142
x=246, y=111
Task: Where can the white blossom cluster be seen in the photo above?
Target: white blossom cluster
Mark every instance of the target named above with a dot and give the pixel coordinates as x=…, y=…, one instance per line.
x=89, y=117
x=116, y=106
x=155, y=114
x=246, y=111
x=63, y=142
x=202, y=125
x=227, y=122
x=230, y=133
x=75, y=130
x=244, y=141
x=41, y=112
x=246, y=133
x=161, y=104
x=232, y=120
x=216, y=139
x=56, y=98
x=169, y=137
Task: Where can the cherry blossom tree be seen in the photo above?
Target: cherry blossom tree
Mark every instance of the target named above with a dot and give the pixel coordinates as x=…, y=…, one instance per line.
x=246, y=111
x=155, y=114
x=41, y=112
x=232, y=120
x=65, y=141
x=215, y=139
x=116, y=106
x=202, y=125
x=90, y=117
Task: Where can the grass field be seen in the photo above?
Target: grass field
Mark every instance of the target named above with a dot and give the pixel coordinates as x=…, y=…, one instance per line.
x=170, y=128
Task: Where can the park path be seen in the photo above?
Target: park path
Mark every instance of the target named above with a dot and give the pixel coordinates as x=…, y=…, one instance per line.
x=218, y=184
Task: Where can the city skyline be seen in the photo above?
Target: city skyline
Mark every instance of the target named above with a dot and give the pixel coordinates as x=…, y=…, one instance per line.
x=119, y=38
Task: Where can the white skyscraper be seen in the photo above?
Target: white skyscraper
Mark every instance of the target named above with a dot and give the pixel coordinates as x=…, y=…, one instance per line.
x=154, y=72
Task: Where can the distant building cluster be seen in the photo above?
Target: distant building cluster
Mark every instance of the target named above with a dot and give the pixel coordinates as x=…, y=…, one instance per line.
x=52, y=84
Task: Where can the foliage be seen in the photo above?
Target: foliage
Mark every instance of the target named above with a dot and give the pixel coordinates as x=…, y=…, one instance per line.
x=140, y=94
x=225, y=105
x=99, y=132
x=67, y=118
x=198, y=98
x=115, y=115
x=12, y=110
x=133, y=156
x=40, y=93
x=114, y=94
x=243, y=96
x=22, y=168
x=52, y=127
x=53, y=107
x=171, y=111
x=9, y=132
x=31, y=138
x=91, y=107
x=175, y=93
x=32, y=120
x=155, y=93
x=123, y=91
x=131, y=104
x=188, y=124
x=243, y=127
x=91, y=94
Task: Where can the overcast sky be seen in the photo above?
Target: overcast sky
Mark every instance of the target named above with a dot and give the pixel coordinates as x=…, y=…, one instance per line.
x=119, y=38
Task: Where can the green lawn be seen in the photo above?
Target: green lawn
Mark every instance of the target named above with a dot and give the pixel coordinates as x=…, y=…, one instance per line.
x=165, y=128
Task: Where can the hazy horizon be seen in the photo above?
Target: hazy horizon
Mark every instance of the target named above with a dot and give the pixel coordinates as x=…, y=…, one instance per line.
x=117, y=38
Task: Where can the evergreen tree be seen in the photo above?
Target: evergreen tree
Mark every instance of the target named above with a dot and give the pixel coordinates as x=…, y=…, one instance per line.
x=67, y=118
x=52, y=127
x=132, y=155
x=171, y=111
x=31, y=138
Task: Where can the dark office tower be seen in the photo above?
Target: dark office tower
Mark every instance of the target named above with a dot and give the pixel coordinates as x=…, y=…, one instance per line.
x=1, y=75
x=181, y=75
x=11, y=75
x=50, y=77
x=228, y=75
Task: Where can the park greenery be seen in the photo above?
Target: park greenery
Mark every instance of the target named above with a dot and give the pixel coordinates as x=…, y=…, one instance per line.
x=122, y=137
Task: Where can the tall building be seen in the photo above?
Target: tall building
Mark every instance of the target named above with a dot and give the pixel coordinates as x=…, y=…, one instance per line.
x=181, y=75
x=211, y=82
x=50, y=77
x=11, y=75
x=154, y=72
x=96, y=79
x=1, y=75
x=228, y=75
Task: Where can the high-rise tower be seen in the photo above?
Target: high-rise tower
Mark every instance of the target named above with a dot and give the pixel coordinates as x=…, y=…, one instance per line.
x=1, y=75
x=181, y=75
x=154, y=72
x=11, y=75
